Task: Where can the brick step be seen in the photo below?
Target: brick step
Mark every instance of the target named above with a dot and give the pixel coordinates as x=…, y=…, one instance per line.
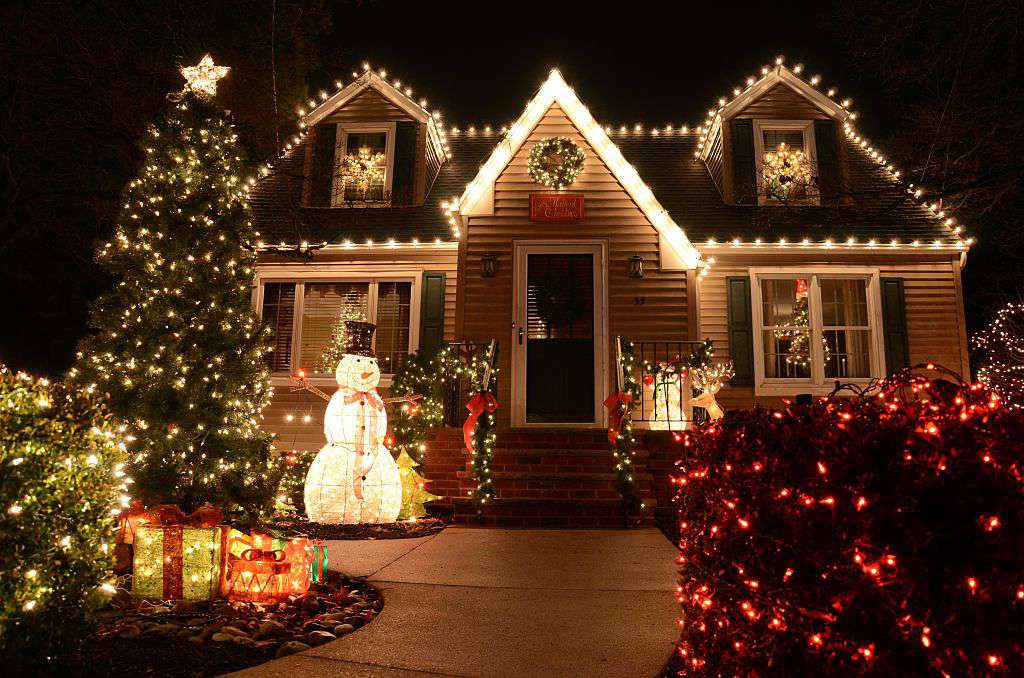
x=548, y=512
x=561, y=485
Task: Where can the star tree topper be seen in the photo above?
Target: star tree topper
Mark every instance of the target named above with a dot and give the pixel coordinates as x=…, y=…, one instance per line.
x=202, y=78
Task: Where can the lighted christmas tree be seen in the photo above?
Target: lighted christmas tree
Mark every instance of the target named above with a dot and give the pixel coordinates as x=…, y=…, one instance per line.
x=414, y=490
x=331, y=355
x=178, y=349
x=999, y=354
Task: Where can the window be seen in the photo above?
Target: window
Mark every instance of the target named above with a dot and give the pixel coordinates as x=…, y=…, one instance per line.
x=815, y=327
x=364, y=157
x=785, y=156
x=311, y=311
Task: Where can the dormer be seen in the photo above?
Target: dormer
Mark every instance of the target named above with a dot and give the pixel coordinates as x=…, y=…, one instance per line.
x=777, y=143
x=370, y=145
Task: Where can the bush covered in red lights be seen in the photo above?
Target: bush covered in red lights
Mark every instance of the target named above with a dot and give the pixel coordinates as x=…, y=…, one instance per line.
x=876, y=533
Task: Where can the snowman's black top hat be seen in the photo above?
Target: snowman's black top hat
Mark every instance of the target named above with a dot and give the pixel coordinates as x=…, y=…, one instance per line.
x=359, y=338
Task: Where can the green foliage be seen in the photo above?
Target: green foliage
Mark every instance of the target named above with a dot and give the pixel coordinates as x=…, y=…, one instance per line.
x=425, y=376
x=331, y=355
x=291, y=491
x=623, y=448
x=60, y=483
x=178, y=349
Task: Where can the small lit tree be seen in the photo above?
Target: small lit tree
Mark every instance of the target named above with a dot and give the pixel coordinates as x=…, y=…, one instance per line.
x=999, y=353
x=177, y=347
x=61, y=484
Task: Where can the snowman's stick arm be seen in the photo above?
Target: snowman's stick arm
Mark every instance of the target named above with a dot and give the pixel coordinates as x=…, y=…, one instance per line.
x=300, y=379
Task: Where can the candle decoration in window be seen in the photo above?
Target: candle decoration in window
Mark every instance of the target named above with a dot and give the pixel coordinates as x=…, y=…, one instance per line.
x=555, y=162
x=354, y=478
x=786, y=173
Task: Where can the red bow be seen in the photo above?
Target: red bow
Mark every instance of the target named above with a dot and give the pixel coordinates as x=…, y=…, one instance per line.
x=476, y=406
x=370, y=397
x=617, y=404
x=164, y=514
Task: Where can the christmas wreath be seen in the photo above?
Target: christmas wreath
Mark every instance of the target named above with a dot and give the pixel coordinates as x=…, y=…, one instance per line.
x=555, y=162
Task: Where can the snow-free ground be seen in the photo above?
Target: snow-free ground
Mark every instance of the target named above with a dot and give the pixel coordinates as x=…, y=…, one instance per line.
x=519, y=603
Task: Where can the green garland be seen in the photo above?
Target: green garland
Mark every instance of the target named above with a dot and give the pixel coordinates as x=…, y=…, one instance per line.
x=555, y=162
x=623, y=448
x=484, y=435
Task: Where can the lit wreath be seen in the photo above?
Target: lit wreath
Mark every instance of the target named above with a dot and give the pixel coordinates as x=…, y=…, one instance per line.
x=555, y=162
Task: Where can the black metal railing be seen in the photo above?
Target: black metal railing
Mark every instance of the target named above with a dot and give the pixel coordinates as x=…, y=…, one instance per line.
x=664, y=401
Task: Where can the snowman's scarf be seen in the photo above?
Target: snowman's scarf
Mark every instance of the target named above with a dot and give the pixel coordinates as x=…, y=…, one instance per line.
x=373, y=405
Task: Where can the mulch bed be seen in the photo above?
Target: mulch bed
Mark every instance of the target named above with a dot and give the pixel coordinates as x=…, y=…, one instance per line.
x=405, y=529
x=209, y=638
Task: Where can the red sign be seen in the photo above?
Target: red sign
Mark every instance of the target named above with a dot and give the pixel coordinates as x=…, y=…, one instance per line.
x=556, y=207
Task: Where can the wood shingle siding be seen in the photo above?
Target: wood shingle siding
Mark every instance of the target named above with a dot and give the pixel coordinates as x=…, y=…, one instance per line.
x=654, y=307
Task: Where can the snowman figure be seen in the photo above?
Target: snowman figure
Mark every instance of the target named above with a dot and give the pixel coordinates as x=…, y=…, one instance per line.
x=354, y=478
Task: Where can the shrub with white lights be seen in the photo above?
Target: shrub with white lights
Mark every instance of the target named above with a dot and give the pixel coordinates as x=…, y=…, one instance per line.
x=61, y=482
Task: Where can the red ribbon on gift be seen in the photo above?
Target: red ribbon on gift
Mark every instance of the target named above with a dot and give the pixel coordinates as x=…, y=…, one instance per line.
x=617, y=404
x=164, y=515
x=476, y=406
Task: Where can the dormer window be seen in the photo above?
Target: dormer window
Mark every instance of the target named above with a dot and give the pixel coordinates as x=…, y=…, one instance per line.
x=784, y=151
x=363, y=164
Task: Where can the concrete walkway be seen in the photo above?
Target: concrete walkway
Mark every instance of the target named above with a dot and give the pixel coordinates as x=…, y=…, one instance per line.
x=486, y=602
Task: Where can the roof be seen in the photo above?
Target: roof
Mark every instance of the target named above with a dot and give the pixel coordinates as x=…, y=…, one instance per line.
x=278, y=218
x=662, y=172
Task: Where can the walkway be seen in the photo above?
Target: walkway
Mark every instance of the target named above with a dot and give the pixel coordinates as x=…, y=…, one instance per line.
x=486, y=602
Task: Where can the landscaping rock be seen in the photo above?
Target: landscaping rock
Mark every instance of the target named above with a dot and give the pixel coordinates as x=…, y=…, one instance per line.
x=222, y=637
x=320, y=637
x=233, y=630
x=291, y=647
x=342, y=629
x=271, y=629
x=130, y=631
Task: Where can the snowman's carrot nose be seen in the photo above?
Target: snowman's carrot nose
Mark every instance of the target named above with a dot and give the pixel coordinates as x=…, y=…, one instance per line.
x=366, y=375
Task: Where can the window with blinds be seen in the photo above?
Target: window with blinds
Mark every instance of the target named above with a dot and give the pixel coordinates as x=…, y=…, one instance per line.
x=323, y=305
x=394, y=308
x=793, y=138
x=279, y=313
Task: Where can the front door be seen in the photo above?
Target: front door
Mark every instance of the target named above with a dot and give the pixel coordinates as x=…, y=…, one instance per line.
x=559, y=334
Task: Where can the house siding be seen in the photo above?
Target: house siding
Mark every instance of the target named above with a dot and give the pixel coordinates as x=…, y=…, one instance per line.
x=934, y=308
x=654, y=307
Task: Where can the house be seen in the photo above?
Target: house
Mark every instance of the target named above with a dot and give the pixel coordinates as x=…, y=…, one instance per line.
x=773, y=228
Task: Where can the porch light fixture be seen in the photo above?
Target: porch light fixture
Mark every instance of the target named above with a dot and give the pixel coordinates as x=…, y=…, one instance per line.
x=488, y=265
x=636, y=266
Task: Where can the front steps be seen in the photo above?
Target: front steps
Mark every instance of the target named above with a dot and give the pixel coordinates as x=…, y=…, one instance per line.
x=541, y=477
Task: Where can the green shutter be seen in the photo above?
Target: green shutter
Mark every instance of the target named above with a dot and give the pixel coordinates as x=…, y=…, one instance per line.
x=403, y=181
x=741, y=330
x=828, y=158
x=894, y=325
x=432, y=313
x=744, y=185
x=321, y=171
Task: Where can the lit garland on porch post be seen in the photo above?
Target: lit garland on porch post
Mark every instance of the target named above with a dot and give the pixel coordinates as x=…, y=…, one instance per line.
x=484, y=436
x=623, y=446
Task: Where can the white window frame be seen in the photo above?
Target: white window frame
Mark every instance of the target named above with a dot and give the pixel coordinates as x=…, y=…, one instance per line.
x=324, y=275
x=340, y=148
x=810, y=150
x=817, y=383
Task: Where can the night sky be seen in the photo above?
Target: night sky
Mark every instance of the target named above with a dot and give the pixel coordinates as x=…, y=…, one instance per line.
x=477, y=62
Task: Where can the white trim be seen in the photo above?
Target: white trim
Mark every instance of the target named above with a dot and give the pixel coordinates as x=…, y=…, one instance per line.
x=477, y=199
x=371, y=80
x=810, y=150
x=782, y=75
x=599, y=250
x=816, y=384
x=301, y=274
x=341, y=149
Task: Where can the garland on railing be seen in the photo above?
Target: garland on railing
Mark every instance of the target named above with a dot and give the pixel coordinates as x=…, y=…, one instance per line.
x=620, y=428
x=478, y=431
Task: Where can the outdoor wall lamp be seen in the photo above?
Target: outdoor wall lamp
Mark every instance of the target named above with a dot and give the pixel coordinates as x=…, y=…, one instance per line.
x=488, y=265
x=636, y=266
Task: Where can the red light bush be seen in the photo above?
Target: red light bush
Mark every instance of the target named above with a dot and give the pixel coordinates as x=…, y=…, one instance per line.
x=878, y=534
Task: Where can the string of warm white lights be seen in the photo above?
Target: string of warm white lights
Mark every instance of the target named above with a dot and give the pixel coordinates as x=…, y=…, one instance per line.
x=712, y=126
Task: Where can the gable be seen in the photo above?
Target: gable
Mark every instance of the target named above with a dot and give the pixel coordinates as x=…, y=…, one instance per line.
x=366, y=106
x=781, y=102
x=676, y=252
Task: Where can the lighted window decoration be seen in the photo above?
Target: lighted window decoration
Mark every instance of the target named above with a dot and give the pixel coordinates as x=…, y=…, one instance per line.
x=786, y=172
x=354, y=478
x=363, y=167
x=555, y=162
x=800, y=312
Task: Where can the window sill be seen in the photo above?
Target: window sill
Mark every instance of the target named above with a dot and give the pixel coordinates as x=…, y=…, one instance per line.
x=792, y=388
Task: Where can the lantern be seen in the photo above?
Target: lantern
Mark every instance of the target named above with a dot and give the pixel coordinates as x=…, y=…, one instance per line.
x=636, y=266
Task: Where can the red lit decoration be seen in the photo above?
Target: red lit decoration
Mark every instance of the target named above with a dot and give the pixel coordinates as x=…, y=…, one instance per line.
x=264, y=569
x=869, y=533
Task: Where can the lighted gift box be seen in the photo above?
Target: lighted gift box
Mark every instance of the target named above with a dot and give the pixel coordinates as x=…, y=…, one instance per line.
x=261, y=568
x=177, y=562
